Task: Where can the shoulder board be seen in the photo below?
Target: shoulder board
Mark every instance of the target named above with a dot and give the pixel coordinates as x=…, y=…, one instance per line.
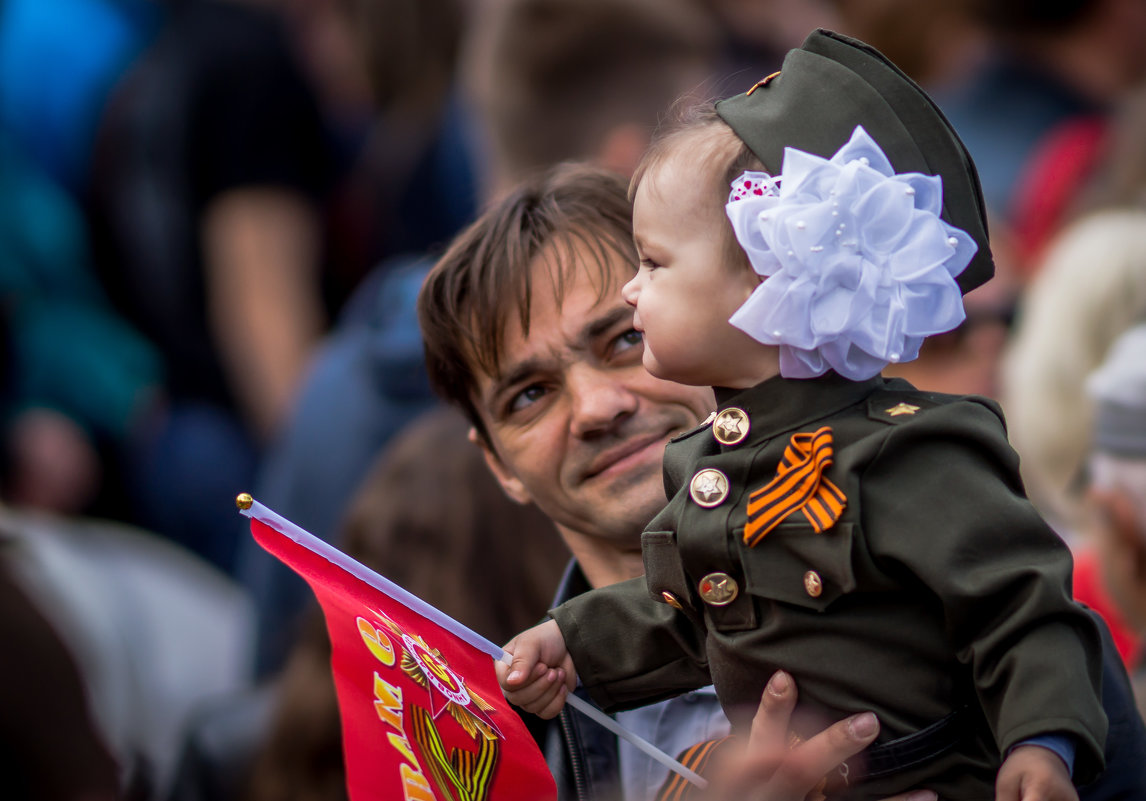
x=706, y=424
x=901, y=407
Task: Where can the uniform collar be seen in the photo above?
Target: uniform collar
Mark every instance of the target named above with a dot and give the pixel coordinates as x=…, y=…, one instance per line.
x=782, y=404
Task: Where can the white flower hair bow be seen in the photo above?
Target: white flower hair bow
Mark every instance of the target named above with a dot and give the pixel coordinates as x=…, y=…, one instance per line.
x=860, y=268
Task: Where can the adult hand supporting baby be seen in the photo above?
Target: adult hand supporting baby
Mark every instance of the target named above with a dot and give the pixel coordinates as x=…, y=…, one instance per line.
x=770, y=770
x=541, y=673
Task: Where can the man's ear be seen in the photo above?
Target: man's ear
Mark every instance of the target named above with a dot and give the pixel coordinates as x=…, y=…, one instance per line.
x=510, y=483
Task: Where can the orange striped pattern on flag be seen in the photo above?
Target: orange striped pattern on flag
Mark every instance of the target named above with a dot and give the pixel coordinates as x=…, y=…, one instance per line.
x=800, y=485
x=695, y=758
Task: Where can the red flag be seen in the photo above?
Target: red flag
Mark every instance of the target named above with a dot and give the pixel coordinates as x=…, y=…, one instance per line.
x=423, y=717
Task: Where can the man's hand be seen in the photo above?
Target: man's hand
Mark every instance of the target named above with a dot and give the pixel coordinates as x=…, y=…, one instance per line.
x=770, y=770
x=541, y=673
x=1034, y=773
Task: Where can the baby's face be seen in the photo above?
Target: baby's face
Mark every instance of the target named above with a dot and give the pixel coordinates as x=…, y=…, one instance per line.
x=684, y=291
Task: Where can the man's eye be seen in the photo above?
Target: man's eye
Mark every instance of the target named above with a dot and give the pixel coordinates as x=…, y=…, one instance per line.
x=628, y=340
x=526, y=397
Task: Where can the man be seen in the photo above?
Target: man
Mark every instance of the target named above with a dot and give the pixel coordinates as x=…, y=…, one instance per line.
x=525, y=330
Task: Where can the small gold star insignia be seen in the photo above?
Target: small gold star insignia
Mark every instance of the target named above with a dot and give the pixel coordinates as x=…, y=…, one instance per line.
x=902, y=408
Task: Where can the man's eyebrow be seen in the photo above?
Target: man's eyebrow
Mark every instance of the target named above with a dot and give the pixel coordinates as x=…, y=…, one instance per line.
x=605, y=323
x=520, y=372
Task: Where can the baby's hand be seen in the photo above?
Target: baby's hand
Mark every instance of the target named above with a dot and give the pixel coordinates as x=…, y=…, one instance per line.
x=1034, y=773
x=541, y=673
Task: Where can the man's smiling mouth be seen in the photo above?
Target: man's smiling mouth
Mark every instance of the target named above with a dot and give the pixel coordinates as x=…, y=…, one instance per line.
x=620, y=453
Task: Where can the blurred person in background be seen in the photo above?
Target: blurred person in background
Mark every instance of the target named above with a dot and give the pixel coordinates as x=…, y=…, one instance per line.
x=208, y=175
x=755, y=36
x=1088, y=287
x=935, y=43
x=112, y=635
x=556, y=80
x=545, y=81
x=58, y=61
x=1116, y=492
x=1050, y=63
x=78, y=377
x=46, y=722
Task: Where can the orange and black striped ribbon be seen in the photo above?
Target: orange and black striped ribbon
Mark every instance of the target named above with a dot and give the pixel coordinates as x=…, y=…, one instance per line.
x=799, y=484
x=695, y=758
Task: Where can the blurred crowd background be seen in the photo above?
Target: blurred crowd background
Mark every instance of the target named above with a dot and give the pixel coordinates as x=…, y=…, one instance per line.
x=214, y=219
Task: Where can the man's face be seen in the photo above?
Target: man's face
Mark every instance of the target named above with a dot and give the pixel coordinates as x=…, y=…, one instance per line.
x=576, y=424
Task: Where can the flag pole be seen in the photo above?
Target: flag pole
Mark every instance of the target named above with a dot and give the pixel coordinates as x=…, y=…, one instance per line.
x=251, y=508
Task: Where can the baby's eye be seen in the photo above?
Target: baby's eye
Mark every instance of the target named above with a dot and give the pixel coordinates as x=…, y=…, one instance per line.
x=649, y=264
x=527, y=397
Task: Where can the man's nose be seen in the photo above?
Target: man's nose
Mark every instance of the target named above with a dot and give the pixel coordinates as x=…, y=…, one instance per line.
x=601, y=400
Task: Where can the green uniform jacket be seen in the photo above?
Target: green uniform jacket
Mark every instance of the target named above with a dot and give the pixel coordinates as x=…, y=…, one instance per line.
x=940, y=586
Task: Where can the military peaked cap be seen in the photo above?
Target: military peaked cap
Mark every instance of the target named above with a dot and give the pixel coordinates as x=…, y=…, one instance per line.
x=833, y=83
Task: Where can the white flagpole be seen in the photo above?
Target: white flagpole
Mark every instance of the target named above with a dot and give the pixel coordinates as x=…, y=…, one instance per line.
x=249, y=507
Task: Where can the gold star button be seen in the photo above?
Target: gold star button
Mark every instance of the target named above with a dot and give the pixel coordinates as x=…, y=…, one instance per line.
x=902, y=408
x=731, y=426
x=670, y=599
x=708, y=487
x=813, y=585
x=718, y=589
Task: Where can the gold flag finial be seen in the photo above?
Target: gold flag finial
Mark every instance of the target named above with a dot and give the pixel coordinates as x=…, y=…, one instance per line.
x=244, y=500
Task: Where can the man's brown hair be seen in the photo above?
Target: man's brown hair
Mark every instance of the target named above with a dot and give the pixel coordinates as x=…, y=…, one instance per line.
x=579, y=214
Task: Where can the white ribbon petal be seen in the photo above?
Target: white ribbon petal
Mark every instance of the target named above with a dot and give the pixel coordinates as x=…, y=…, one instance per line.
x=859, y=265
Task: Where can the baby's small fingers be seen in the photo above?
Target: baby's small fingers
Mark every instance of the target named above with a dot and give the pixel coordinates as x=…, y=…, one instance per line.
x=553, y=708
x=541, y=704
x=526, y=695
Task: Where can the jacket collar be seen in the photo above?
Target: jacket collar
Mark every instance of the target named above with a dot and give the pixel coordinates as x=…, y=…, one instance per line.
x=783, y=404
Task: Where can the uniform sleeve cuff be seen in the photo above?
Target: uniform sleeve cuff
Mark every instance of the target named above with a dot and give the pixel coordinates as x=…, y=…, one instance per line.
x=1060, y=744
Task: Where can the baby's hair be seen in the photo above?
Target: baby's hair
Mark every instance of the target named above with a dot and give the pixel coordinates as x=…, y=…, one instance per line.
x=715, y=152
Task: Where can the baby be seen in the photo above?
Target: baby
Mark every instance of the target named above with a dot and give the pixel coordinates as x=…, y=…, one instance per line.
x=869, y=539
